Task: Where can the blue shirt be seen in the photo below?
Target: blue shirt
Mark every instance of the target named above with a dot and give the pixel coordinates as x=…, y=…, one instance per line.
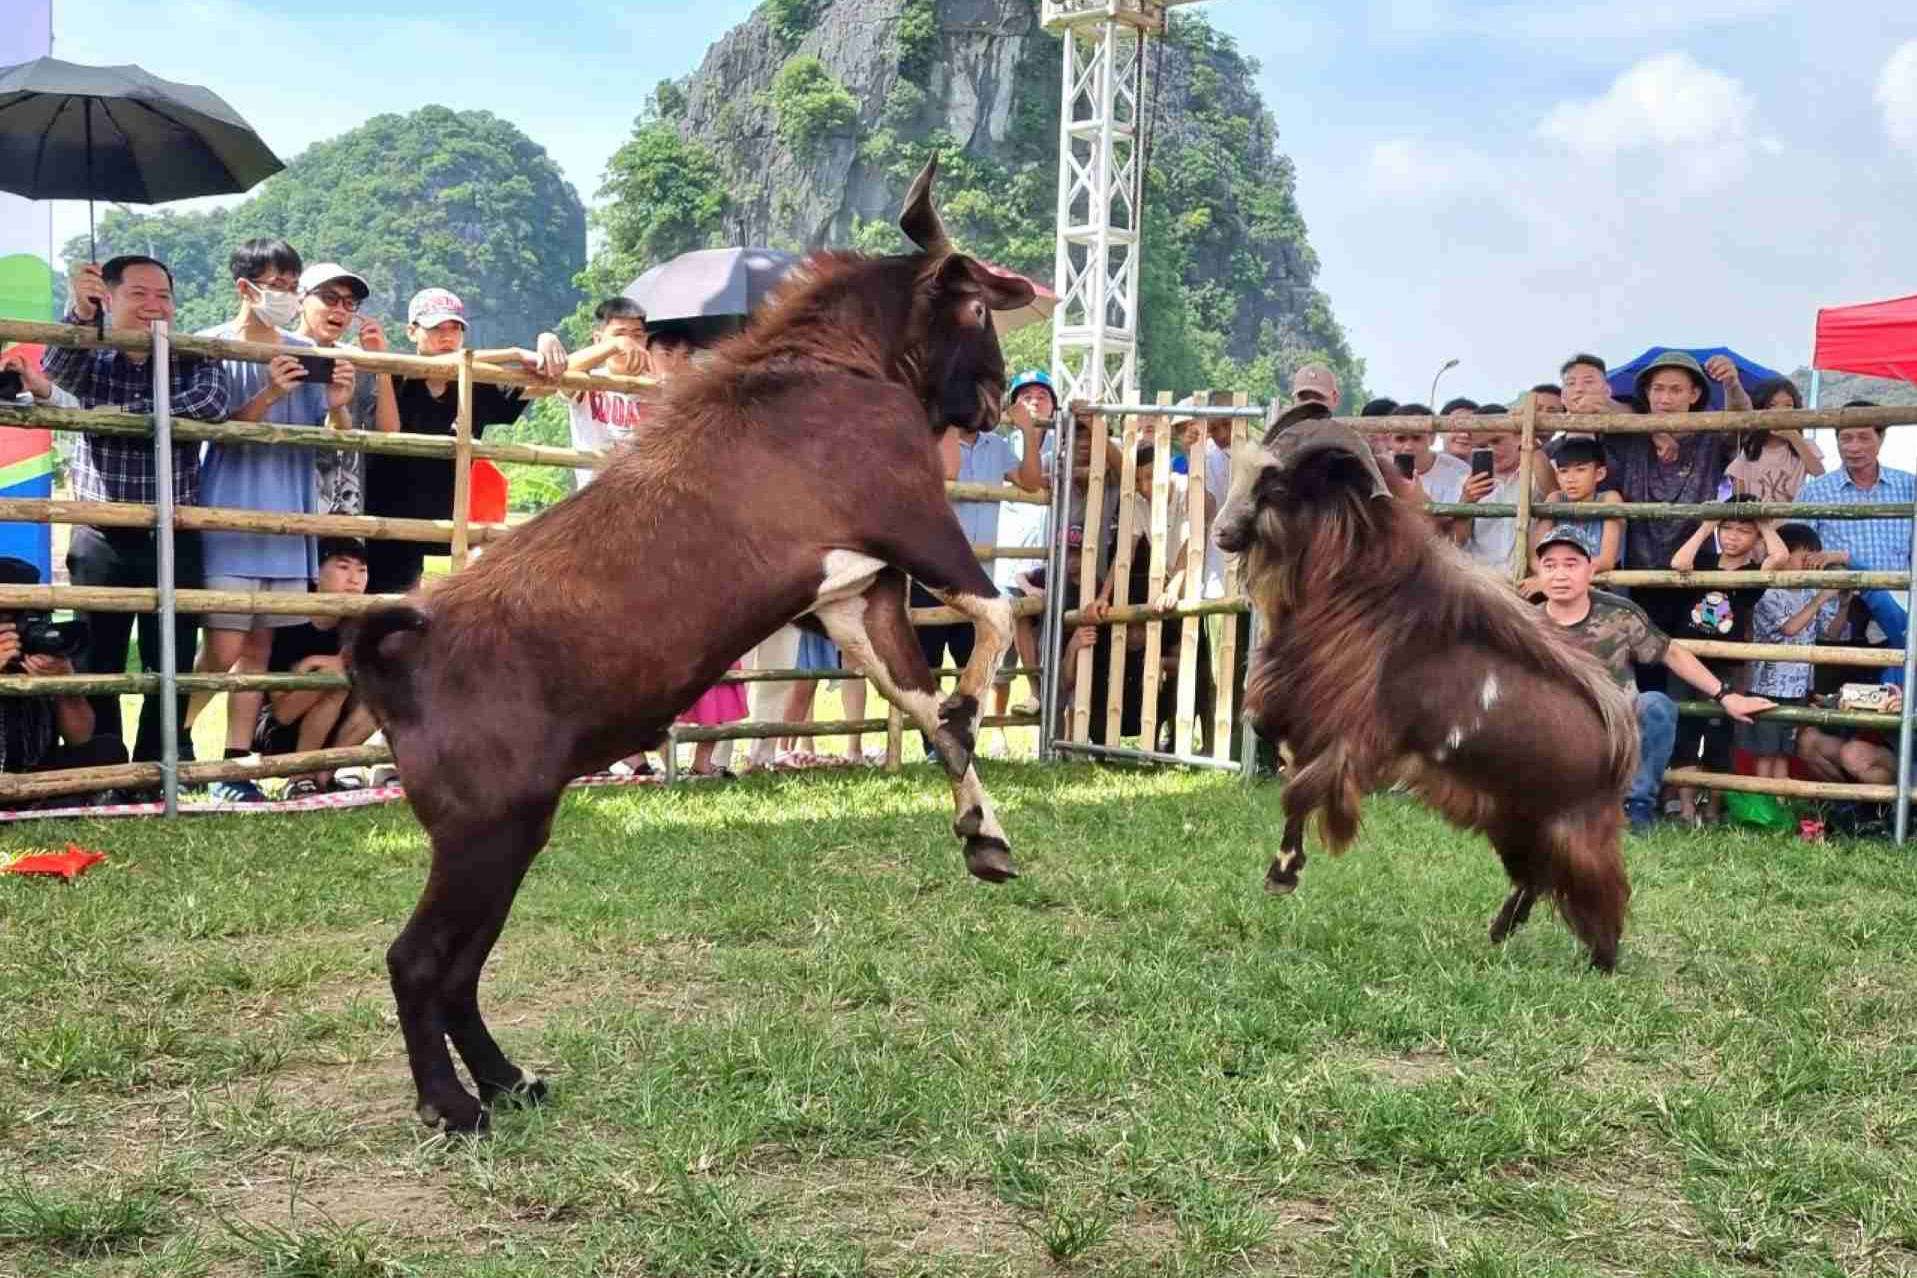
x=1875, y=545
x=986, y=460
x=259, y=477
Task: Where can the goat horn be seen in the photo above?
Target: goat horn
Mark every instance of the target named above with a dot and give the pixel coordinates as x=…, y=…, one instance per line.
x=920, y=221
x=1310, y=410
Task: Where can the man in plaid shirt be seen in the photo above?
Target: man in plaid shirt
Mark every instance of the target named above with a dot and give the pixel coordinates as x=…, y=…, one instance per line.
x=1875, y=545
x=136, y=291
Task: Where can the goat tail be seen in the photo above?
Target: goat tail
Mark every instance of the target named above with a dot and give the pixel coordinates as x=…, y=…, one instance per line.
x=380, y=656
x=1587, y=875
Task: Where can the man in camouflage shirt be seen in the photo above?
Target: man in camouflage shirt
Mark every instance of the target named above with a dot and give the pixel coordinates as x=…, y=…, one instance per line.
x=1617, y=632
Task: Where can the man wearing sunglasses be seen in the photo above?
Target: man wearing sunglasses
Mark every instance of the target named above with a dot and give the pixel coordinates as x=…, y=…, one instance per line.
x=330, y=299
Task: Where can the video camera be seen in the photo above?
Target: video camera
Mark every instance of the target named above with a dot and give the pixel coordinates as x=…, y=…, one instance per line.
x=40, y=635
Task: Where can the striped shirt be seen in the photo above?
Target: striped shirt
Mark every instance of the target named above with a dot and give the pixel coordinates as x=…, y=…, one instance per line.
x=1875, y=545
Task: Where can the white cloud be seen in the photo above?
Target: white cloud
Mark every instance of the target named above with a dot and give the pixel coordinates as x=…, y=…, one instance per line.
x=1662, y=102
x=1897, y=96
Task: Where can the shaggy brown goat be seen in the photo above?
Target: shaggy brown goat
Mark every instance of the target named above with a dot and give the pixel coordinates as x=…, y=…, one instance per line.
x=796, y=475
x=1391, y=658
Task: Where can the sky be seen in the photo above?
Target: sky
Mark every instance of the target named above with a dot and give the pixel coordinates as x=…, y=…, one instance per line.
x=1502, y=182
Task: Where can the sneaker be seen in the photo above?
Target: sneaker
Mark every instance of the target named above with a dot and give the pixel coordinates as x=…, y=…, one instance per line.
x=353, y=778
x=236, y=792
x=303, y=788
x=382, y=775
x=1027, y=706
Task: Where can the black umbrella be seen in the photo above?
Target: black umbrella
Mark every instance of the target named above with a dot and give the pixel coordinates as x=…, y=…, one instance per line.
x=69, y=132
x=710, y=283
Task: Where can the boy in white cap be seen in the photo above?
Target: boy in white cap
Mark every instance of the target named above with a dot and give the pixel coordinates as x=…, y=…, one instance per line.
x=289, y=391
x=422, y=487
x=330, y=297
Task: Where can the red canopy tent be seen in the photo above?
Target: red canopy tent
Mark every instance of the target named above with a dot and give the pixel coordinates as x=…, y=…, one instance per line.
x=1877, y=339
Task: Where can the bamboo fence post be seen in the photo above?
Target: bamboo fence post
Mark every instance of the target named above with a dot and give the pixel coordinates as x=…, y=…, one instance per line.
x=1197, y=513
x=894, y=738
x=1093, y=523
x=1160, y=527
x=462, y=459
x=1788, y=787
x=1223, y=678
x=1527, y=455
x=1122, y=579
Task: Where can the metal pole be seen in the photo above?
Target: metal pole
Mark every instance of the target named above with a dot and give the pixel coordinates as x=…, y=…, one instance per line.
x=1051, y=643
x=163, y=545
x=670, y=755
x=1247, y=739
x=1148, y=756
x=1910, y=675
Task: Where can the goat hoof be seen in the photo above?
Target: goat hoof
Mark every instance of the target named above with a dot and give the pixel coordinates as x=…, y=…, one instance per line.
x=530, y=1090
x=466, y=1118
x=1604, y=962
x=989, y=859
x=1281, y=879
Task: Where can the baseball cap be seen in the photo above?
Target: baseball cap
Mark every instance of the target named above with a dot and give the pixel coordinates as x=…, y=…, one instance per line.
x=325, y=272
x=17, y=572
x=431, y=306
x=1314, y=377
x=1569, y=536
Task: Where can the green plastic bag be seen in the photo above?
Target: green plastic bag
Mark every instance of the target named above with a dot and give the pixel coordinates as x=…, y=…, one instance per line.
x=1765, y=811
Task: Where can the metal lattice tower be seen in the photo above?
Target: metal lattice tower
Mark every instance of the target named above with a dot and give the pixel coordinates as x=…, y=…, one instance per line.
x=1100, y=194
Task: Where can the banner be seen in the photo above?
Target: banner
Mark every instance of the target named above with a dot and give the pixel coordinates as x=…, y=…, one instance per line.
x=26, y=292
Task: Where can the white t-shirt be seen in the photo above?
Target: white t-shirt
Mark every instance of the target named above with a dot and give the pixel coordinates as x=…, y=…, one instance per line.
x=601, y=419
x=1492, y=539
x=1444, y=482
x=1217, y=489
x=1177, y=523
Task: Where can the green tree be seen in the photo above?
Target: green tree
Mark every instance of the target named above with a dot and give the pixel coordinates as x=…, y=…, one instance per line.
x=663, y=196
x=460, y=200
x=810, y=105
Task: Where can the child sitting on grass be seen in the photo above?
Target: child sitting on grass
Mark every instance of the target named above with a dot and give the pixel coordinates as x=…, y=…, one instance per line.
x=1800, y=616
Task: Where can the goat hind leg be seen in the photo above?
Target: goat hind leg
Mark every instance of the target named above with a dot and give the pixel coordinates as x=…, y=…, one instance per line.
x=877, y=640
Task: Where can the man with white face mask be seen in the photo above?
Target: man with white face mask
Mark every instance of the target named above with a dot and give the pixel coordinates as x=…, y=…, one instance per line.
x=285, y=392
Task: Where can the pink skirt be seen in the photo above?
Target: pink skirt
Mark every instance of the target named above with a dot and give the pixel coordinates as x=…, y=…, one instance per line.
x=721, y=703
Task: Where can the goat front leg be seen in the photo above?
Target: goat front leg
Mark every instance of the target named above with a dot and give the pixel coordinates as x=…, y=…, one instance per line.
x=877, y=640
x=992, y=626
x=1281, y=877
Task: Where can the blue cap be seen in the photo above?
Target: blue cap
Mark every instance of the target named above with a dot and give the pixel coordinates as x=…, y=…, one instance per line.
x=1032, y=377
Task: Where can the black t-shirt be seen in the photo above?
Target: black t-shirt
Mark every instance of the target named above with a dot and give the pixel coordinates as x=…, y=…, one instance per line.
x=422, y=487
x=1717, y=613
x=294, y=644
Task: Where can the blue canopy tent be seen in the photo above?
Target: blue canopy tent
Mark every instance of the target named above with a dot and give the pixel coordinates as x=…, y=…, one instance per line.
x=1623, y=378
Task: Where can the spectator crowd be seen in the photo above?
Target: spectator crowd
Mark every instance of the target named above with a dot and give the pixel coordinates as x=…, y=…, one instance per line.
x=280, y=300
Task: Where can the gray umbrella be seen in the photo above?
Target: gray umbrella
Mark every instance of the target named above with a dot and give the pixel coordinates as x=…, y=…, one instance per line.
x=710, y=283
x=70, y=132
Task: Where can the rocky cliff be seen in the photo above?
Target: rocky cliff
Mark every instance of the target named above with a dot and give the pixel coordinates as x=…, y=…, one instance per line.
x=817, y=112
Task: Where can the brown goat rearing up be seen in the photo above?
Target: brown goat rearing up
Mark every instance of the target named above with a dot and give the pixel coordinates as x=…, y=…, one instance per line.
x=1390, y=657
x=795, y=476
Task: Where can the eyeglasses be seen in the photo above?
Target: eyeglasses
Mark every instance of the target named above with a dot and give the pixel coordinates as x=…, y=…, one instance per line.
x=343, y=301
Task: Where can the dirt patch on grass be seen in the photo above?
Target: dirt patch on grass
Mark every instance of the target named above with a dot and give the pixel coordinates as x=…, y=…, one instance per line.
x=1412, y=1069
x=394, y=1204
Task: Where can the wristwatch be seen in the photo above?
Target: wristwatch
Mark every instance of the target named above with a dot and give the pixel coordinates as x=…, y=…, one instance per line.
x=1723, y=691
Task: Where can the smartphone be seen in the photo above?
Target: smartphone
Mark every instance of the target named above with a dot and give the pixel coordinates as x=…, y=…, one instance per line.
x=1480, y=461
x=11, y=384
x=1407, y=464
x=319, y=369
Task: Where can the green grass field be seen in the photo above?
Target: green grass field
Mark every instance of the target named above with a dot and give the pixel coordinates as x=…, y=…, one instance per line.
x=787, y=1035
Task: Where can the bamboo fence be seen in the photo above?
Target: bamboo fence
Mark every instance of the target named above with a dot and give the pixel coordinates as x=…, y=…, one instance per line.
x=459, y=533
x=1524, y=510
x=1063, y=727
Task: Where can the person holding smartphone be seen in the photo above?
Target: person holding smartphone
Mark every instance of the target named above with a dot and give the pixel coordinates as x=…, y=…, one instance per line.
x=247, y=477
x=1494, y=478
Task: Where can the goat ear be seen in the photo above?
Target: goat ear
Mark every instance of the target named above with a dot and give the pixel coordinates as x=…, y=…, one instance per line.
x=919, y=220
x=1002, y=292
